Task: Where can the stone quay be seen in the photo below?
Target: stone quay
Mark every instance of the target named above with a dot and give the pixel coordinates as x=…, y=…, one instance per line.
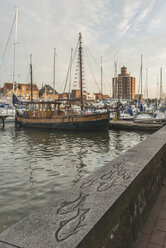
x=107, y=209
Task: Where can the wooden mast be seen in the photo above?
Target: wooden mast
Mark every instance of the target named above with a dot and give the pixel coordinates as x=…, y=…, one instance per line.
x=71, y=58
x=80, y=62
x=101, y=79
x=31, y=76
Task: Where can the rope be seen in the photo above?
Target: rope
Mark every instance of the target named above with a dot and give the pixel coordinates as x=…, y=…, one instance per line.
x=70, y=65
x=87, y=59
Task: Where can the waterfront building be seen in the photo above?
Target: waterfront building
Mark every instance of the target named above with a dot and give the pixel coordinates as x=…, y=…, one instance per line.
x=75, y=93
x=64, y=95
x=88, y=97
x=123, y=86
x=22, y=90
x=100, y=96
x=47, y=92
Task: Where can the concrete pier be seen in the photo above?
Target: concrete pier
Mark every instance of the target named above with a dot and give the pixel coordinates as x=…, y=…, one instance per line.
x=130, y=125
x=107, y=209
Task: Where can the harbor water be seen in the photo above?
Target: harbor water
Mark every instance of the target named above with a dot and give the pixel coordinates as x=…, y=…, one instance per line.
x=36, y=165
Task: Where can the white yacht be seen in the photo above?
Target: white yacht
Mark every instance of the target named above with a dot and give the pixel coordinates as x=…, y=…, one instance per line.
x=126, y=116
x=144, y=118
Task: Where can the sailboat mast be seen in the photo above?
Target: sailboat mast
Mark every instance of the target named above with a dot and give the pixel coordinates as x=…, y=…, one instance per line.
x=31, y=76
x=146, y=86
x=141, y=75
x=15, y=41
x=71, y=58
x=161, y=87
x=80, y=62
x=157, y=91
x=54, y=69
x=101, y=78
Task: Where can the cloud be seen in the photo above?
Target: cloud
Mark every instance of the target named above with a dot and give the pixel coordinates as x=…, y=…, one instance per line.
x=130, y=27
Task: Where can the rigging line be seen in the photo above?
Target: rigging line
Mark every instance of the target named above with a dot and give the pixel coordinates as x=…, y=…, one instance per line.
x=106, y=79
x=1, y=48
x=66, y=78
x=8, y=38
x=92, y=56
x=24, y=45
x=70, y=65
x=5, y=65
x=87, y=59
x=139, y=85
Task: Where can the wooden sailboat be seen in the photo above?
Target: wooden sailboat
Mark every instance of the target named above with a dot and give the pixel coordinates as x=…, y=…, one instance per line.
x=50, y=115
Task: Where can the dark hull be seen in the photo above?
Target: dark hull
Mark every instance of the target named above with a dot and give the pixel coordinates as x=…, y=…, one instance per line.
x=101, y=124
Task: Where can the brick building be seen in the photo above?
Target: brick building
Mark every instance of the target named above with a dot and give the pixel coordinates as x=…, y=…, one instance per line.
x=47, y=92
x=123, y=86
x=100, y=96
x=22, y=90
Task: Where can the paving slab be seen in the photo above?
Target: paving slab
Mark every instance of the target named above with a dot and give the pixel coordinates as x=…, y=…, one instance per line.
x=153, y=234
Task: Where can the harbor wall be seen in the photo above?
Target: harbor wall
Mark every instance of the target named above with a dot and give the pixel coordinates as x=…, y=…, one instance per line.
x=105, y=210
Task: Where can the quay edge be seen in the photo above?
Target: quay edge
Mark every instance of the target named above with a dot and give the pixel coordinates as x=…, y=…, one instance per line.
x=106, y=209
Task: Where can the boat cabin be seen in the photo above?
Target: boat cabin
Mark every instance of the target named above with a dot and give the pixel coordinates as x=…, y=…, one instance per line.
x=42, y=110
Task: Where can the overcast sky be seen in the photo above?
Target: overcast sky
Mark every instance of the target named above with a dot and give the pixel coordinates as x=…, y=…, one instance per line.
x=123, y=27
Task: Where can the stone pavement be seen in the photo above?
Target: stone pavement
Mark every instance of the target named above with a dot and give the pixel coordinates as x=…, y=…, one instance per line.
x=153, y=234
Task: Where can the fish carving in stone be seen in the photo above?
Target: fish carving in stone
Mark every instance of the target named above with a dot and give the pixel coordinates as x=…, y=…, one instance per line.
x=125, y=173
x=72, y=205
x=106, y=185
x=108, y=176
x=71, y=226
x=87, y=184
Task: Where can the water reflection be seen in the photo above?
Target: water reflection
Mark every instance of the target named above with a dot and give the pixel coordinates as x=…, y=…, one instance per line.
x=37, y=164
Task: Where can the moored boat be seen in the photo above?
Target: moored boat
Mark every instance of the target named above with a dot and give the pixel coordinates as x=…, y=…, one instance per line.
x=51, y=115
x=144, y=118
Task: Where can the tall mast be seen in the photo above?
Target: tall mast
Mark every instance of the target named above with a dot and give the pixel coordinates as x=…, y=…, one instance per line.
x=115, y=74
x=31, y=76
x=161, y=93
x=54, y=69
x=80, y=62
x=15, y=41
x=146, y=85
x=101, y=78
x=71, y=57
x=157, y=90
x=141, y=75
